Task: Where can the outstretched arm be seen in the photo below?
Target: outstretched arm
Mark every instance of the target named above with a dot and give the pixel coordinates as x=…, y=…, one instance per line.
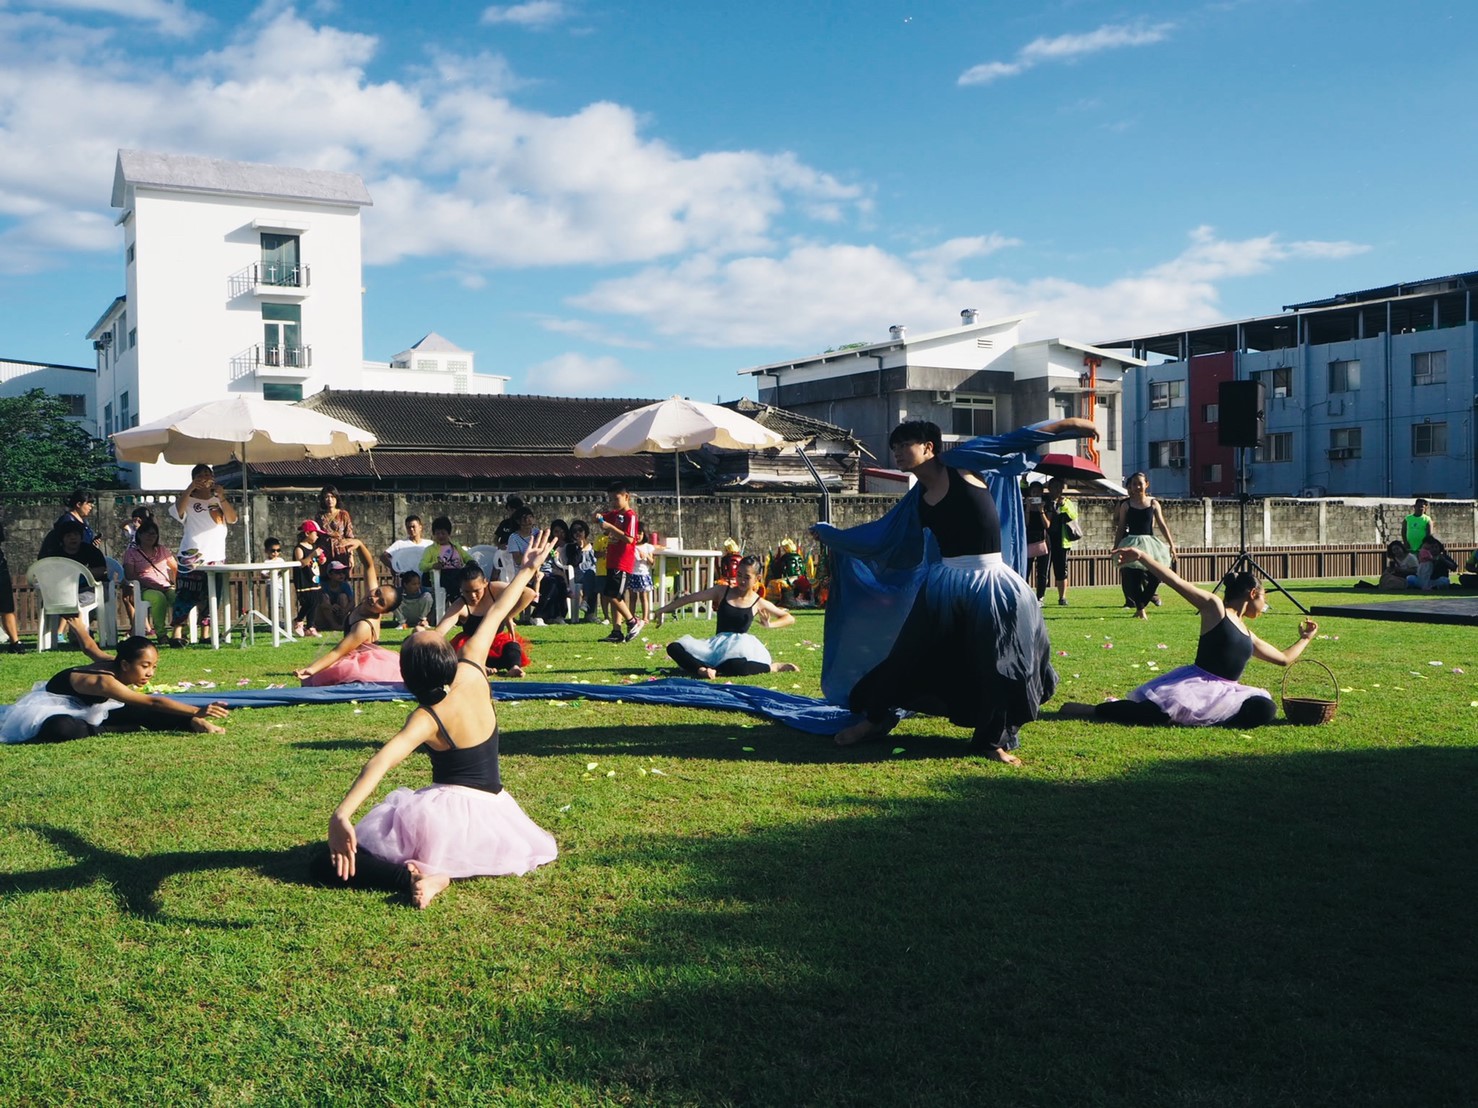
x=773, y=616
x=1071, y=428
x=105, y=684
x=454, y=610
x=711, y=595
x=1268, y=653
x=342, y=841
x=510, y=599
x=357, y=636
x=1198, y=597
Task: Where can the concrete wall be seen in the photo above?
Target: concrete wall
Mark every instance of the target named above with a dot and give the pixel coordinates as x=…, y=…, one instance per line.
x=759, y=522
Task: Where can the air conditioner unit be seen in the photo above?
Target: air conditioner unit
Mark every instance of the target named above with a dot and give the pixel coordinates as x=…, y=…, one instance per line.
x=1340, y=453
x=1177, y=463
x=943, y=396
x=1280, y=393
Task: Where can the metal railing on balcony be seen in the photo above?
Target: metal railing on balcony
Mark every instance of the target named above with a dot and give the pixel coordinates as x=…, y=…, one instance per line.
x=272, y=360
x=269, y=277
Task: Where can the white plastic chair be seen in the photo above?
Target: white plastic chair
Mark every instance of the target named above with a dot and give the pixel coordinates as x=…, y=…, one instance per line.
x=141, y=616
x=59, y=583
x=407, y=558
x=487, y=557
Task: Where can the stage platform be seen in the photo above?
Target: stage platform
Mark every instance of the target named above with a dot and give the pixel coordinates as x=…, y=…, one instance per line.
x=1437, y=607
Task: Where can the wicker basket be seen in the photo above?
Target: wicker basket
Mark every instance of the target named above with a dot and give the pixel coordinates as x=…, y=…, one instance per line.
x=1305, y=710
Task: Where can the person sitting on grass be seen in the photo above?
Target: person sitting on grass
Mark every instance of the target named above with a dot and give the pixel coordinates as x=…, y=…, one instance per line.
x=732, y=651
x=507, y=652
x=465, y=824
x=335, y=599
x=1434, y=566
x=103, y=696
x=415, y=603
x=1398, y=564
x=359, y=655
x=1208, y=691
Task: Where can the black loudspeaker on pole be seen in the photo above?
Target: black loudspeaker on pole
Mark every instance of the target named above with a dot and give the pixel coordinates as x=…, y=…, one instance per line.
x=1240, y=407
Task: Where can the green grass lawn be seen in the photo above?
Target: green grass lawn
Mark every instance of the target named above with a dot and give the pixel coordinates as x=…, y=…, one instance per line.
x=742, y=914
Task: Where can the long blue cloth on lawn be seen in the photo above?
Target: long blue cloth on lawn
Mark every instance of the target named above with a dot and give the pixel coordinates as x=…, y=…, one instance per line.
x=803, y=713
x=877, y=567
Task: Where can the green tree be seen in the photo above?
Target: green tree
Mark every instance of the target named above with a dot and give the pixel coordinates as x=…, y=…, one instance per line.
x=41, y=449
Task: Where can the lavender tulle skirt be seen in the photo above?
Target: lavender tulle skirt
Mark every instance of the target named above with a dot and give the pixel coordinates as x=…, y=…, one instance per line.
x=457, y=831
x=369, y=662
x=1192, y=697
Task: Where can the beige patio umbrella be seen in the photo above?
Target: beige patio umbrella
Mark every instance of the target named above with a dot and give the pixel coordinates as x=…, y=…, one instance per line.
x=674, y=426
x=239, y=429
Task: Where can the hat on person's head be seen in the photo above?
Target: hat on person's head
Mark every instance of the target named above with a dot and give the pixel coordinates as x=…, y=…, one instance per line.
x=308, y=527
x=340, y=566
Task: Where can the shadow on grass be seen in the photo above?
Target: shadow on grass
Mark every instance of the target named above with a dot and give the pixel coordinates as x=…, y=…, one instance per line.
x=135, y=880
x=1239, y=931
x=337, y=744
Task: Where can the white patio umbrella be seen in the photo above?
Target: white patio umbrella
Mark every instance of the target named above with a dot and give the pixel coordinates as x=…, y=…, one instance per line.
x=674, y=426
x=241, y=428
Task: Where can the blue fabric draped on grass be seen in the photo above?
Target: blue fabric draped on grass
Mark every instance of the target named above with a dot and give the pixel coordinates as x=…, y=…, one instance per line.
x=800, y=712
x=877, y=568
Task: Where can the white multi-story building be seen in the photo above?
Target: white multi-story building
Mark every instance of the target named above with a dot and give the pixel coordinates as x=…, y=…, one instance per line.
x=975, y=379
x=75, y=385
x=241, y=278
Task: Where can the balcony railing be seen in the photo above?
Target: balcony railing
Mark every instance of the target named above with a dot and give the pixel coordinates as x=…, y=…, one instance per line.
x=270, y=279
x=291, y=362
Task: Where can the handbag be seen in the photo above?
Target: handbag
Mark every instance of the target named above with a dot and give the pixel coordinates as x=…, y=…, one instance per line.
x=1071, y=529
x=1036, y=549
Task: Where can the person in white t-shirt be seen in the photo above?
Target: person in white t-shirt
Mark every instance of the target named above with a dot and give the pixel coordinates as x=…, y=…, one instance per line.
x=404, y=555
x=205, y=512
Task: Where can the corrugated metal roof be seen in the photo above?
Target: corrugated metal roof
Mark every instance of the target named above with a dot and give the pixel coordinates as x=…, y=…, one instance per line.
x=192, y=173
x=469, y=423
x=792, y=425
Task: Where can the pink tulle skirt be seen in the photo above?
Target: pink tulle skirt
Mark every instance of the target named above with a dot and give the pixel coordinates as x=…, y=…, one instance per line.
x=1192, y=697
x=370, y=662
x=457, y=831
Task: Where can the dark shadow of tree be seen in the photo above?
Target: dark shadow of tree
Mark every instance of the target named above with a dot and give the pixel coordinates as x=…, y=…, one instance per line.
x=1236, y=931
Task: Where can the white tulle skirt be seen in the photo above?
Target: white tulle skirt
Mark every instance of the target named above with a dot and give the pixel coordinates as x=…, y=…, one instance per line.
x=27, y=714
x=456, y=831
x=1192, y=697
x=726, y=646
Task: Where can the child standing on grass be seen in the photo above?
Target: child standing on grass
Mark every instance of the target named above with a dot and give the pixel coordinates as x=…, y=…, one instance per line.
x=639, y=588
x=465, y=824
x=306, y=584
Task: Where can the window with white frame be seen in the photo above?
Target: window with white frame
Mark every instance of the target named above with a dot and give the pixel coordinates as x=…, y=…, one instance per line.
x=1344, y=443
x=1429, y=368
x=1277, y=383
x=1344, y=375
x=1167, y=394
x=1211, y=472
x=1429, y=440
x=972, y=415
x=1275, y=448
x=1167, y=454
x=1210, y=413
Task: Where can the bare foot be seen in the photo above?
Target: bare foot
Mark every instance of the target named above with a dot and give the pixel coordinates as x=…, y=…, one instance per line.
x=1139, y=614
x=1075, y=709
x=206, y=727
x=864, y=732
x=515, y=671
x=708, y=673
x=425, y=887
x=996, y=754
x=784, y=667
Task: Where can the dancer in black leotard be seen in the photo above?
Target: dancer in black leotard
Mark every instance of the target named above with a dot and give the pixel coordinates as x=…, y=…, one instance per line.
x=1207, y=691
x=104, y=696
x=465, y=824
x=1135, y=520
x=732, y=651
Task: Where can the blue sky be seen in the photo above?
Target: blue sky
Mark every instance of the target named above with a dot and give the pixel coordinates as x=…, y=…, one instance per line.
x=642, y=198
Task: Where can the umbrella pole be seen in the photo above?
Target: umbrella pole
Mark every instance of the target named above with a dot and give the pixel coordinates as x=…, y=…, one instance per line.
x=677, y=475
x=251, y=608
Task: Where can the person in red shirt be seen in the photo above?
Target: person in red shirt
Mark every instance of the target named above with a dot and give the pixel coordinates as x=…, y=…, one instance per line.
x=619, y=523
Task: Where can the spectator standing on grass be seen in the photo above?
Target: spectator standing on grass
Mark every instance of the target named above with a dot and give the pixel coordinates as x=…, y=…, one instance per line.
x=1038, y=557
x=7, y=602
x=1417, y=526
x=336, y=536
x=307, y=579
x=1062, y=532
x=618, y=521
x=205, y=512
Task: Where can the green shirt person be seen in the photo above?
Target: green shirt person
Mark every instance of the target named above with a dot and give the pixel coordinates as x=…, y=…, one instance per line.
x=1418, y=525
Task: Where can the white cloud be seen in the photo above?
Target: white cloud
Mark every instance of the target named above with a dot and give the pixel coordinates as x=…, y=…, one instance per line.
x=1068, y=48
x=170, y=17
x=820, y=295
x=946, y=256
x=456, y=169
x=536, y=15
x=576, y=375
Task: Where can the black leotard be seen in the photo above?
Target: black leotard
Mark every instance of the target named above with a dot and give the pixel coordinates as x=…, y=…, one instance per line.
x=732, y=618
x=1139, y=521
x=61, y=685
x=965, y=520
x=1225, y=650
x=476, y=767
